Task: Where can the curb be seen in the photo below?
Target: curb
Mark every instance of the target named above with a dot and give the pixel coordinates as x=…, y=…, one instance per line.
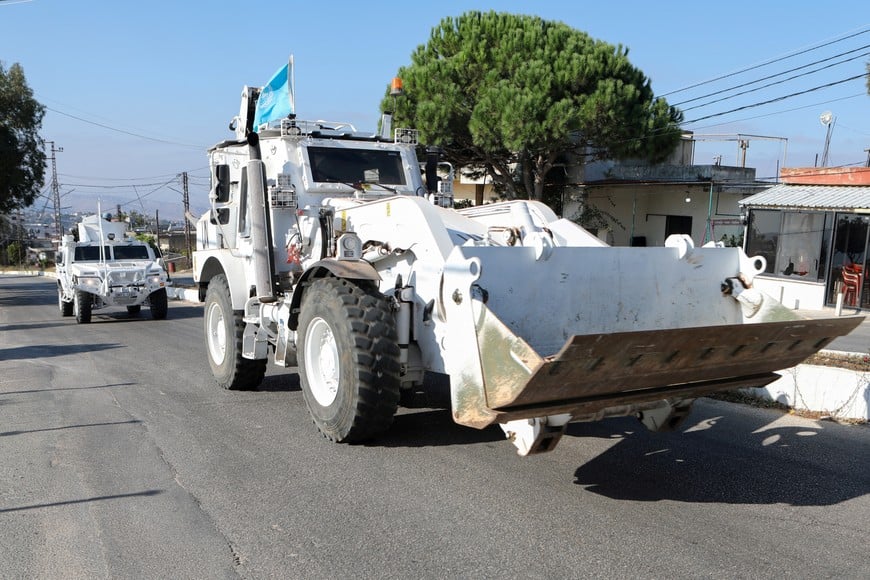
x=185, y=294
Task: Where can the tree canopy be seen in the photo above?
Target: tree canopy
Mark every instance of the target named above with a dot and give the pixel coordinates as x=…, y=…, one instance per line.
x=22, y=157
x=498, y=89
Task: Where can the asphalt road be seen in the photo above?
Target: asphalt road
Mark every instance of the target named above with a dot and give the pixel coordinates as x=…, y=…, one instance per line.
x=119, y=458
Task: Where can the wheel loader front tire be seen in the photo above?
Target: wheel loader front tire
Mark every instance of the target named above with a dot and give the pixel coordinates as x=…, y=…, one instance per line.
x=82, y=307
x=224, y=330
x=348, y=359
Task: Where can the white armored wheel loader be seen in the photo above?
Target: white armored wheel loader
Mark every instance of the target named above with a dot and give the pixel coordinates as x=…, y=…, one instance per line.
x=331, y=249
x=103, y=266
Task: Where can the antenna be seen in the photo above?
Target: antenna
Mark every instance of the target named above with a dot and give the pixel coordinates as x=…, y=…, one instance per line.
x=828, y=120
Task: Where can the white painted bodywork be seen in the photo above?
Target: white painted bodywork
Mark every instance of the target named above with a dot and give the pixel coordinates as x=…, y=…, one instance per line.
x=108, y=263
x=486, y=295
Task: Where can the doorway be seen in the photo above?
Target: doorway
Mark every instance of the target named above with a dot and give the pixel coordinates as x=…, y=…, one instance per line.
x=678, y=224
x=849, y=261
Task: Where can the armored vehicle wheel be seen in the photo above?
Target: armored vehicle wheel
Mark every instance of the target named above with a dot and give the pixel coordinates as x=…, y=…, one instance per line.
x=159, y=304
x=65, y=306
x=223, y=340
x=82, y=305
x=348, y=359
x=134, y=310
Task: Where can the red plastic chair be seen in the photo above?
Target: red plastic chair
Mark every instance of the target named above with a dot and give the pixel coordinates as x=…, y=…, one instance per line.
x=851, y=282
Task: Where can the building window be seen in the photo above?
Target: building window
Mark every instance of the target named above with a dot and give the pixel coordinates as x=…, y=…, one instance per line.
x=763, y=235
x=793, y=243
x=800, y=245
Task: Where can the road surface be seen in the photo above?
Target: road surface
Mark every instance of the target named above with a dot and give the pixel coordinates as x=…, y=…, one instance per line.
x=121, y=459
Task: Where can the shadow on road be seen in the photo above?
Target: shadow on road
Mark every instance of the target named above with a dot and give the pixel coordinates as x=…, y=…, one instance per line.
x=114, y=314
x=131, y=422
x=179, y=311
x=757, y=463
x=425, y=420
x=284, y=382
x=28, y=293
x=28, y=326
x=68, y=389
x=148, y=493
x=433, y=428
x=52, y=350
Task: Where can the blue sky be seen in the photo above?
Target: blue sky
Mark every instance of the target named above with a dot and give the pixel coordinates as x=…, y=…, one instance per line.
x=137, y=91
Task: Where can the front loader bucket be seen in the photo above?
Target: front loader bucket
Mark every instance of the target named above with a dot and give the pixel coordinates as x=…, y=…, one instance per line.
x=502, y=377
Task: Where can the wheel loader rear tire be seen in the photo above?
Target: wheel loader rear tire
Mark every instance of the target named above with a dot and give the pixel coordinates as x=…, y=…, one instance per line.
x=224, y=330
x=66, y=307
x=82, y=307
x=348, y=359
x=159, y=304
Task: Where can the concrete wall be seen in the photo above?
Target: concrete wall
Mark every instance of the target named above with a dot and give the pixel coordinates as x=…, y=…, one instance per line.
x=792, y=293
x=835, y=392
x=643, y=209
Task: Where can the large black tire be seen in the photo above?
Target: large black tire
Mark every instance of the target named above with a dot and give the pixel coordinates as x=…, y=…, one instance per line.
x=224, y=330
x=82, y=307
x=134, y=310
x=348, y=359
x=66, y=307
x=159, y=304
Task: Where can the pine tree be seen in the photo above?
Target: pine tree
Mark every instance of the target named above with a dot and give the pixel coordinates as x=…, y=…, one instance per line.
x=22, y=155
x=511, y=94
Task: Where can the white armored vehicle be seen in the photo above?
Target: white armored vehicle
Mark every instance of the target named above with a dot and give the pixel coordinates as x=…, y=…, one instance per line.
x=107, y=267
x=329, y=248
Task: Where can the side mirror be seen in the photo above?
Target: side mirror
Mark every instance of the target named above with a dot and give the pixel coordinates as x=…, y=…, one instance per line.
x=221, y=181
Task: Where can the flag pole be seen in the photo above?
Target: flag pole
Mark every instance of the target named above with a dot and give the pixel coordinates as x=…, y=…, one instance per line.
x=292, y=85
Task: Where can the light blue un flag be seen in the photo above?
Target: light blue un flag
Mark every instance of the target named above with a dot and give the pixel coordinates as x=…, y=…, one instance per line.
x=276, y=98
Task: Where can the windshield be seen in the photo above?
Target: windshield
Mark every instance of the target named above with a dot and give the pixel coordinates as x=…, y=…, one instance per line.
x=131, y=252
x=334, y=165
x=90, y=253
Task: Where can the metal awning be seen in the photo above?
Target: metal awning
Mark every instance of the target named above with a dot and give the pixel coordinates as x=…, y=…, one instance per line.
x=815, y=197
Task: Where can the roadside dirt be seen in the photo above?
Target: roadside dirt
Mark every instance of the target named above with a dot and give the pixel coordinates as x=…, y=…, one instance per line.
x=854, y=362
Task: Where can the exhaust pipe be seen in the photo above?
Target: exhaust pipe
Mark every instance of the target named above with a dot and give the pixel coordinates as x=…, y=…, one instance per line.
x=262, y=259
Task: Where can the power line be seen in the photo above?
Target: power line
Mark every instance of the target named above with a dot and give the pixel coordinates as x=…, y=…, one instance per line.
x=119, y=186
x=777, y=99
x=161, y=176
x=780, y=112
x=713, y=94
x=156, y=189
x=765, y=63
x=132, y=134
x=779, y=82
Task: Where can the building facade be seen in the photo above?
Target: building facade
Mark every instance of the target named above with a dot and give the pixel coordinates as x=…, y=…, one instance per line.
x=813, y=229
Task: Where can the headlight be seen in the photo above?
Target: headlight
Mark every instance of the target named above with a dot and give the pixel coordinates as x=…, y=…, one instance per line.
x=92, y=282
x=155, y=279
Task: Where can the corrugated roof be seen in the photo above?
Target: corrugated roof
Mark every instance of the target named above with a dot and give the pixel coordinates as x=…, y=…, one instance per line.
x=841, y=197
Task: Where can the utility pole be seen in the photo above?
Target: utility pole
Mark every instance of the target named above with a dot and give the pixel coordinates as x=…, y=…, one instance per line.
x=20, y=231
x=55, y=189
x=186, y=200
